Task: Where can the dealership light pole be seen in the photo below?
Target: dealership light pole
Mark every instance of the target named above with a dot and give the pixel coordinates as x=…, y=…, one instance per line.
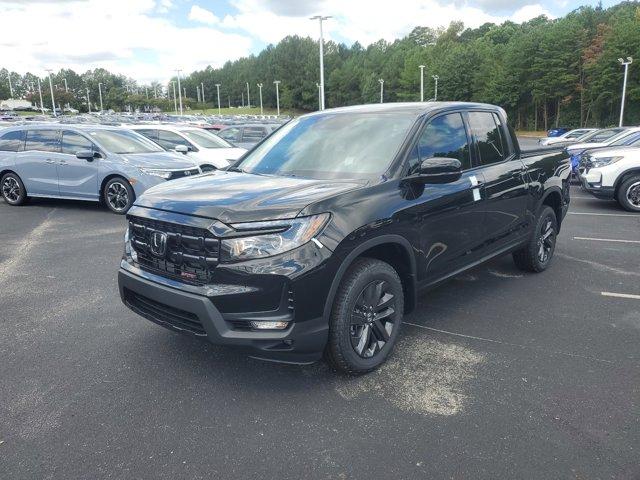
x=319, y=96
x=248, y=96
x=100, y=93
x=198, y=92
x=421, y=83
x=179, y=90
x=40, y=91
x=260, y=89
x=277, y=82
x=10, y=86
x=381, y=90
x=202, y=91
x=88, y=101
x=155, y=91
x=53, y=100
x=66, y=87
x=435, y=95
x=624, y=85
x=218, y=90
x=175, y=99
x=320, y=19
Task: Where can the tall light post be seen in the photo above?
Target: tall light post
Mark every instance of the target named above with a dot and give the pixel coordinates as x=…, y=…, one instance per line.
x=260, y=89
x=88, y=101
x=242, y=94
x=53, y=100
x=155, y=91
x=320, y=19
x=421, y=83
x=381, y=90
x=175, y=99
x=10, y=86
x=202, y=92
x=248, y=96
x=179, y=90
x=624, y=85
x=435, y=95
x=198, y=92
x=100, y=93
x=319, y=96
x=146, y=92
x=276, y=83
x=66, y=87
x=218, y=90
x=40, y=91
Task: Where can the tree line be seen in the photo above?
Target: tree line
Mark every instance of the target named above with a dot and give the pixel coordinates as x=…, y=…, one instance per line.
x=544, y=72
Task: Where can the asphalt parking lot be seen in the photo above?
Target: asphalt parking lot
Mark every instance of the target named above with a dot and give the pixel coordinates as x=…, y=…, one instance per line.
x=498, y=374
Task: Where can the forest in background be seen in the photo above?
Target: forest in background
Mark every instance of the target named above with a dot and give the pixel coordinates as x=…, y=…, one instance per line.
x=544, y=72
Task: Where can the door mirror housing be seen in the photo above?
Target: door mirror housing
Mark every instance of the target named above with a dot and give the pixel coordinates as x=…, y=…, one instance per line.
x=439, y=170
x=87, y=155
x=182, y=149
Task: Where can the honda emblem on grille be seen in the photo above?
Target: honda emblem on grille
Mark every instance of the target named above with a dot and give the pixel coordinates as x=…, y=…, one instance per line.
x=158, y=244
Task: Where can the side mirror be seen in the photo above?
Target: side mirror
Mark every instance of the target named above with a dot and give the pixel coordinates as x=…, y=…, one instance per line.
x=181, y=149
x=439, y=170
x=87, y=155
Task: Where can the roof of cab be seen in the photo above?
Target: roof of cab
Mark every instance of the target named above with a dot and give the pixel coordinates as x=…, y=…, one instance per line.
x=411, y=108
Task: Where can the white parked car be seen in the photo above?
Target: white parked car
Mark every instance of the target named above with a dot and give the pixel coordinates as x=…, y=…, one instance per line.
x=570, y=136
x=613, y=174
x=207, y=149
x=603, y=138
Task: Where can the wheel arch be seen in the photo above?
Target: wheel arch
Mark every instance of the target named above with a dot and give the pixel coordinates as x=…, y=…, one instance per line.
x=106, y=179
x=393, y=249
x=553, y=199
x=623, y=177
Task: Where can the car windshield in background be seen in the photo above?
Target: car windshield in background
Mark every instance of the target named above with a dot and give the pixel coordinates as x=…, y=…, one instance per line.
x=206, y=139
x=605, y=135
x=123, y=141
x=334, y=145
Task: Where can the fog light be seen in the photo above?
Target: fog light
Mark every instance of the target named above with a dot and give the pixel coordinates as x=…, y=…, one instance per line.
x=269, y=325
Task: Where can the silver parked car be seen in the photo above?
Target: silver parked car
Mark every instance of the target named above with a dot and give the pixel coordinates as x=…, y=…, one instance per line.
x=87, y=162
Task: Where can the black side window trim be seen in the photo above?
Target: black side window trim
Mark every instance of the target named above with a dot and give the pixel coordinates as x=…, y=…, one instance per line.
x=477, y=160
x=94, y=147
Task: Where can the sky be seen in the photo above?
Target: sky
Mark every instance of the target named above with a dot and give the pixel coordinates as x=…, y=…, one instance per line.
x=148, y=39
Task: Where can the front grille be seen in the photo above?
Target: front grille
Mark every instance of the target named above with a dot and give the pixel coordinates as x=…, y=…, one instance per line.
x=164, y=314
x=191, y=253
x=184, y=173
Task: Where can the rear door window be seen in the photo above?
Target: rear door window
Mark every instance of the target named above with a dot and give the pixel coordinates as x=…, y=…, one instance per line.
x=254, y=134
x=170, y=140
x=488, y=136
x=150, y=134
x=230, y=134
x=73, y=142
x=12, y=141
x=43, y=140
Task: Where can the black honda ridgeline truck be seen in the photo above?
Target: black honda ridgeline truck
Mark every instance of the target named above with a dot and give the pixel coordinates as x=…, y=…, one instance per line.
x=320, y=239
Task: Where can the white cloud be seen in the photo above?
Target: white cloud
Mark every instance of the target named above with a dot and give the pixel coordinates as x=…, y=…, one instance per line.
x=530, y=11
x=202, y=15
x=123, y=36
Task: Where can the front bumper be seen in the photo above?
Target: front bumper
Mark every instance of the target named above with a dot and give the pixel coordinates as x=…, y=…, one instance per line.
x=177, y=309
x=591, y=181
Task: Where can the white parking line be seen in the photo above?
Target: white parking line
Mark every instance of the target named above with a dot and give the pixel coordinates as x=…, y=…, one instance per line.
x=606, y=240
x=604, y=214
x=620, y=295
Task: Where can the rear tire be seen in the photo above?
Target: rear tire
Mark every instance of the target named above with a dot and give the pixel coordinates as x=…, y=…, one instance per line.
x=13, y=190
x=118, y=195
x=629, y=194
x=366, y=317
x=537, y=254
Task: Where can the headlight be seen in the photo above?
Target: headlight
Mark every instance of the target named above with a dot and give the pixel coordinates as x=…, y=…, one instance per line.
x=156, y=172
x=279, y=236
x=603, y=161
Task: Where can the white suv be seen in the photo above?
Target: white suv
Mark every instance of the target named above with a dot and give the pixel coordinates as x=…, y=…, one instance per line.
x=613, y=174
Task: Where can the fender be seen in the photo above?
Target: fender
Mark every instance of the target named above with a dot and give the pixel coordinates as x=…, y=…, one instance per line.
x=622, y=174
x=356, y=252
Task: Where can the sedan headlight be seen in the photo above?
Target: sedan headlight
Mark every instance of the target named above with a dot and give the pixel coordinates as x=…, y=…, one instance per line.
x=604, y=161
x=265, y=239
x=157, y=172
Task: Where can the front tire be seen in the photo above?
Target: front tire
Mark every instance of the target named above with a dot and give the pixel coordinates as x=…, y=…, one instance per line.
x=537, y=254
x=366, y=317
x=629, y=194
x=12, y=189
x=118, y=195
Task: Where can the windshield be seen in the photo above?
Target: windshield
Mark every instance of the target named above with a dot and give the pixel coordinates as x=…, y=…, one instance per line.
x=332, y=145
x=205, y=139
x=629, y=139
x=603, y=135
x=124, y=141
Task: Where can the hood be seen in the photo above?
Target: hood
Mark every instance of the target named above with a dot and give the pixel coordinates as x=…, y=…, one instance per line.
x=221, y=157
x=159, y=160
x=611, y=151
x=241, y=197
